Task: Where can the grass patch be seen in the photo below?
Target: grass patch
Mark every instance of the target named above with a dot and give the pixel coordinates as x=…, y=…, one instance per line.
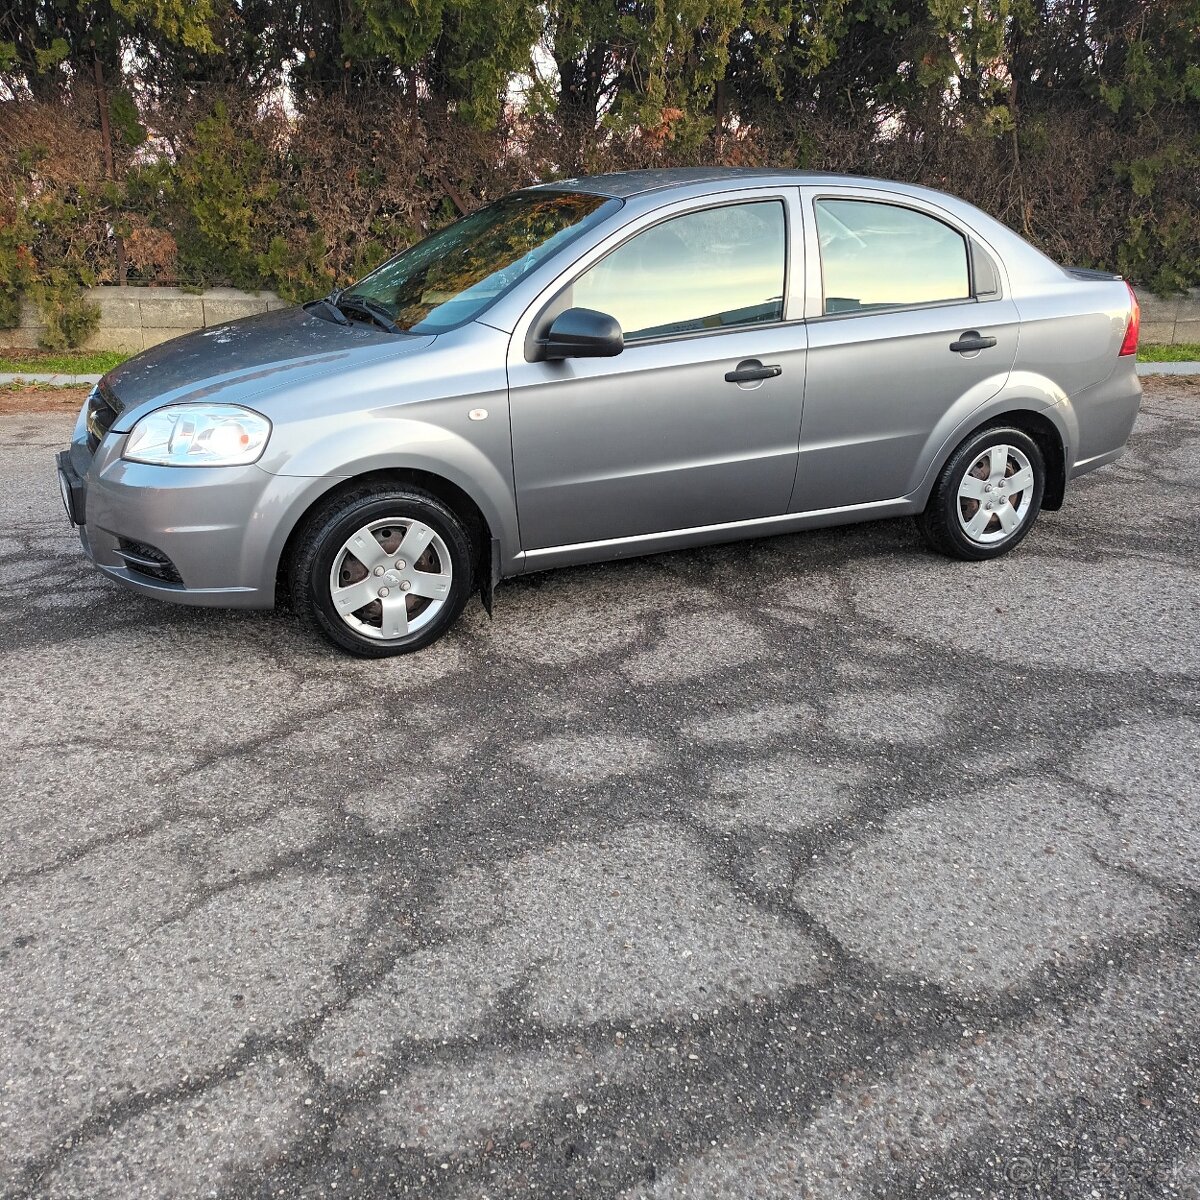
x=1179, y=352
x=75, y=362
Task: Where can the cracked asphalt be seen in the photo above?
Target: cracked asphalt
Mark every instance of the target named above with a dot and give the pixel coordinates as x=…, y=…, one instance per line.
x=809, y=867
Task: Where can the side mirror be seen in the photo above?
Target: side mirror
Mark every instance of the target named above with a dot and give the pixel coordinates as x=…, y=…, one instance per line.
x=583, y=333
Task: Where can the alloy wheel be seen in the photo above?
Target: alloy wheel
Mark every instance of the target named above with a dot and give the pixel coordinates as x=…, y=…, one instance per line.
x=391, y=578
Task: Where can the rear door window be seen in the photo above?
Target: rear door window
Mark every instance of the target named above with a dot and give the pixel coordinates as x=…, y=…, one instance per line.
x=878, y=256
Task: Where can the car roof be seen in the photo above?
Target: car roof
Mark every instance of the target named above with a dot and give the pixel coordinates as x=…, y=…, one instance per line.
x=623, y=184
x=699, y=181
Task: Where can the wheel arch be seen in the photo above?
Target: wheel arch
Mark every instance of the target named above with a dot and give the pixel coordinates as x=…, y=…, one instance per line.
x=1049, y=441
x=483, y=540
x=1039, y=424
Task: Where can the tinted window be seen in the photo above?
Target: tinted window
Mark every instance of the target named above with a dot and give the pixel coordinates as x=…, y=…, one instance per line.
x=715, y=269
x=457, y=272
x=882, y=256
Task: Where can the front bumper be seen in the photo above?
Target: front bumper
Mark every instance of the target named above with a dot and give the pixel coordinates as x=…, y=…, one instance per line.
x=208, y=536
x=71, y=488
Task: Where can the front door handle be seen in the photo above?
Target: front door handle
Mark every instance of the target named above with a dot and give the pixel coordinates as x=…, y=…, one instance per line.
x=972, y=341
x=751, y=369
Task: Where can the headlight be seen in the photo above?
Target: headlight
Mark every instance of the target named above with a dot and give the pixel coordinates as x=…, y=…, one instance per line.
x=199, y=435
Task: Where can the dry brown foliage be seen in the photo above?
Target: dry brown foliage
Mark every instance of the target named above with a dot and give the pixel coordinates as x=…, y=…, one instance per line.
x=343, y=184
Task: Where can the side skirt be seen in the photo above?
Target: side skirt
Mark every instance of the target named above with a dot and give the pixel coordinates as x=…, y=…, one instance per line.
x=706, y=535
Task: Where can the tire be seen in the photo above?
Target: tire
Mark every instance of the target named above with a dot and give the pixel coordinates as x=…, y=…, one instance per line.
x=953, y=511
x=409, y=599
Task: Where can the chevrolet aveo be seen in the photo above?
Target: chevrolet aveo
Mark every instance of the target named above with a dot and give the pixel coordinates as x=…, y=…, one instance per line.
x=600, y=368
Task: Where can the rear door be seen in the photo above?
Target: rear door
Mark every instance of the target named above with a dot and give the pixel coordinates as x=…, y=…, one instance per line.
x=907, y=314
x=661, y=437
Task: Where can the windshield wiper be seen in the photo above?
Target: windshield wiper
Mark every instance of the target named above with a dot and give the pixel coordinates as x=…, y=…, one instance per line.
x=328, y=306
x=368, y=308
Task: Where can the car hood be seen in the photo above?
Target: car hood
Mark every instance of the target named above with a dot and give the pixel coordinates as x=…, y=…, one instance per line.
x=236, y=362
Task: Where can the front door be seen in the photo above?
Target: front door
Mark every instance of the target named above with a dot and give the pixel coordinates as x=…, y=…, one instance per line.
x=658, y=438
x=893, y=290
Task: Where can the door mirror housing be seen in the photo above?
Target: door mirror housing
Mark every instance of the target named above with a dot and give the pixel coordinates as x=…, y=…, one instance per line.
x=583, y=333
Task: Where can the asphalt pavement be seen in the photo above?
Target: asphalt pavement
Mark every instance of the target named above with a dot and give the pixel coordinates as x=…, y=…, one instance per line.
x=817, y=866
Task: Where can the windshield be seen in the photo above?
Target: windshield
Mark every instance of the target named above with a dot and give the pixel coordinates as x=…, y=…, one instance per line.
x=453, y=275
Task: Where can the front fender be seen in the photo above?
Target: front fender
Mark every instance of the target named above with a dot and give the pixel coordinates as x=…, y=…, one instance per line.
x=330, y=451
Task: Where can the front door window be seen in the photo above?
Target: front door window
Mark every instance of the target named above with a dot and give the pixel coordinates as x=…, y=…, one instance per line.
x=720, y=268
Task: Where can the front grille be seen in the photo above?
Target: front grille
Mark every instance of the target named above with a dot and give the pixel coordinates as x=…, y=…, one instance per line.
x=147, y=560
x=102, y=410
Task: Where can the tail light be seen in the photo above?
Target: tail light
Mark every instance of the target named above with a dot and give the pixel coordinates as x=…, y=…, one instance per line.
x=1129, y=345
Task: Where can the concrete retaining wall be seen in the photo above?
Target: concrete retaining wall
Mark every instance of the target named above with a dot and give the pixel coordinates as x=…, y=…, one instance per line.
x=135, y=318
x=1173, y=320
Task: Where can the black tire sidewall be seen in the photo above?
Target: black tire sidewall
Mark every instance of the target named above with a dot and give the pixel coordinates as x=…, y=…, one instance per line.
x=960, y=462
x=327, y=539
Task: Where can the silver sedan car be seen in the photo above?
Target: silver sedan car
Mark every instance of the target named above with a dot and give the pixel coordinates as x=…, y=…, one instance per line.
x=606, y=367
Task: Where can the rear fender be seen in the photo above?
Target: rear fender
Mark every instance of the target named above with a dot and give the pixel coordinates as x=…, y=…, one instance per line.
x=1024, y=392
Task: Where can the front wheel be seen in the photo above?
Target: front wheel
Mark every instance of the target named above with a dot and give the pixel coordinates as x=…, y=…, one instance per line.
x=987, y=496
x=382, y=571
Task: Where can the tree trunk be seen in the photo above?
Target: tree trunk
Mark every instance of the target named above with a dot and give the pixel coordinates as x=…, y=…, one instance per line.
x=109, y=167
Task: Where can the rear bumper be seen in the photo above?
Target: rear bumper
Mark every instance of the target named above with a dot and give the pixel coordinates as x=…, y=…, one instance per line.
x=1104, y=415
x=1084, y=465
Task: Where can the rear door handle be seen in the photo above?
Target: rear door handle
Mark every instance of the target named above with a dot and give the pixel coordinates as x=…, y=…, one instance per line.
x=751, y=369
x=972, y=341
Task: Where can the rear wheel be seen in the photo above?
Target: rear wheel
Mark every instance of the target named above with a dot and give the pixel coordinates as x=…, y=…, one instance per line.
x=987, y=496
x=382, y=571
